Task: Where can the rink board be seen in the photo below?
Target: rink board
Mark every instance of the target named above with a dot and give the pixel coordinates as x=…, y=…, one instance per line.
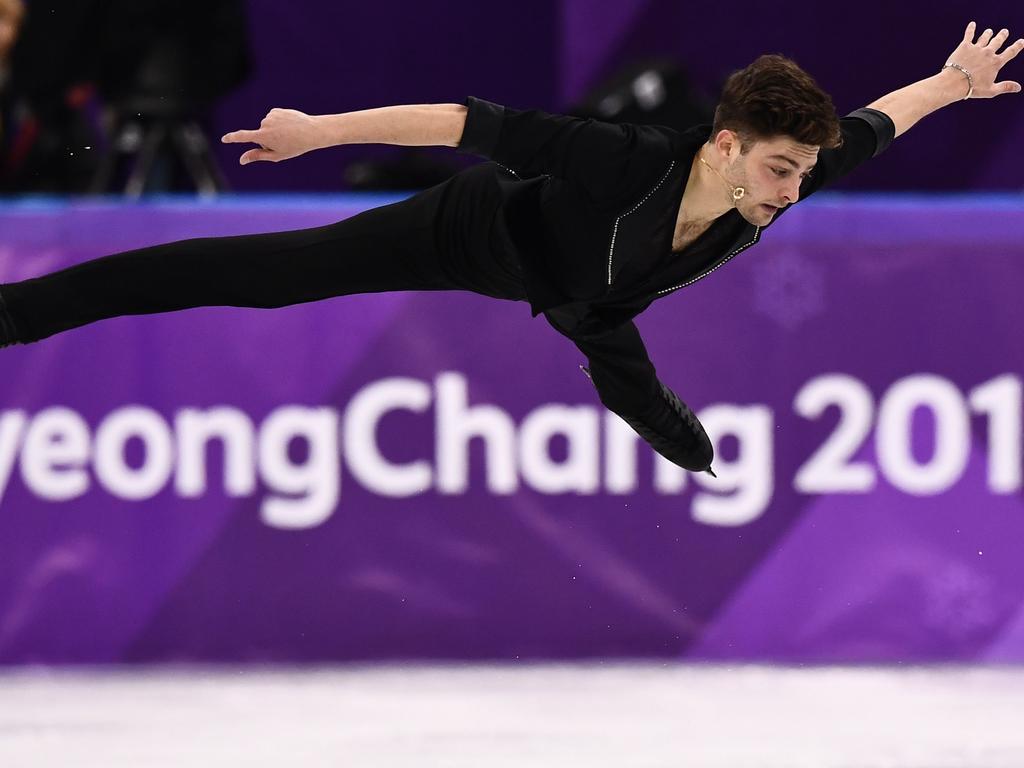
x=430, y=476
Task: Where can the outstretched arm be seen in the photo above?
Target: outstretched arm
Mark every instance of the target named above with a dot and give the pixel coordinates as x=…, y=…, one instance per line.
x=981, y=59
x=612, y=163
x=287, y=133
x=867, y=132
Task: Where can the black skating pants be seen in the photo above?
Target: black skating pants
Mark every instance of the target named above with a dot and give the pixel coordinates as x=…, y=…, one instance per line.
x=444, y=238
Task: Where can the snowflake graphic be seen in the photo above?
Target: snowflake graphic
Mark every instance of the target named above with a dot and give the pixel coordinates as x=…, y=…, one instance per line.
x=789, y=288
x=960, y=601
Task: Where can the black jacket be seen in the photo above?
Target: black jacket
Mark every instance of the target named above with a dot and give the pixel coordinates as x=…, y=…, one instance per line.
x=591, y=210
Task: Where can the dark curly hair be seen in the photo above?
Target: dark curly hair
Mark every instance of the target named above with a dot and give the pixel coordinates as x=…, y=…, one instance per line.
x=774, y=97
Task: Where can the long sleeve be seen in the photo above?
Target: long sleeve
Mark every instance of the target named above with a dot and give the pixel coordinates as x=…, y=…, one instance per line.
x=613, y=164
x=866, y=134
x=627, y=384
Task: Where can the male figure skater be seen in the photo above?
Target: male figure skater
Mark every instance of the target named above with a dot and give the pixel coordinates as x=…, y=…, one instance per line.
x=589, y=222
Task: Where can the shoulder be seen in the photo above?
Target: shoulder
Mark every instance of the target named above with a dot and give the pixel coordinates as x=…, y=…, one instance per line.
x=654, y=141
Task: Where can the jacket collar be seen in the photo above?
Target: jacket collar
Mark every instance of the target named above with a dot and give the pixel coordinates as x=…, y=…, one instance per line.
x=691, y=140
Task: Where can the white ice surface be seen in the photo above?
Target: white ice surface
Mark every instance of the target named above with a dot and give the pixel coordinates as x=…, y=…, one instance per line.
x=627, y=716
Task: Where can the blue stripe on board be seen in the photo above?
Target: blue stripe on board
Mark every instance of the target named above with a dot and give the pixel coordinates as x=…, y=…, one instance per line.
x=829, y=200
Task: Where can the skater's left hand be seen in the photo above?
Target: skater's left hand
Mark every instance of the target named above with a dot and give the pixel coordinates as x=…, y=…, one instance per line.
x=983, y=60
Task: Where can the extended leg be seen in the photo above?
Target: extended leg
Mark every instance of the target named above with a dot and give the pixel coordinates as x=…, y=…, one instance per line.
x=384, y=249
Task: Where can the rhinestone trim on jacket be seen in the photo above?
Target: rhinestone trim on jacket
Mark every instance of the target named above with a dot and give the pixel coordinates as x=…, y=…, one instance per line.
x=615, y=229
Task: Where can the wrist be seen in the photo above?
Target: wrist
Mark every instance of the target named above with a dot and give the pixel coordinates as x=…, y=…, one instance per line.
x=329, y=131
x=956, y=84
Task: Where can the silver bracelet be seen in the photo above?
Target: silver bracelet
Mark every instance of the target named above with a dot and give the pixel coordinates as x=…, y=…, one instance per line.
x=970, y=80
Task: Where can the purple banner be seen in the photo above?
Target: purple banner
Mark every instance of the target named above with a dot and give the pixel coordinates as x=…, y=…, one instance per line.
x=430, y=476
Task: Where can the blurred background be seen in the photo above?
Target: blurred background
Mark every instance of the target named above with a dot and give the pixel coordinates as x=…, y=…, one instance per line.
x=364, y=530
x=87, y=80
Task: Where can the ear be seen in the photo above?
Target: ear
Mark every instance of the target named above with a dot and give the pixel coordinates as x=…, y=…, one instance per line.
x=727, y=144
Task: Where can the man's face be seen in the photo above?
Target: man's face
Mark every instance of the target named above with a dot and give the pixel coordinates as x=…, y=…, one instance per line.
x=771, y=173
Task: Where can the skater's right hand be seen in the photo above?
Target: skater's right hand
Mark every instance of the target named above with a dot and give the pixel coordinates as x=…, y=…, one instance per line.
x=283, y=134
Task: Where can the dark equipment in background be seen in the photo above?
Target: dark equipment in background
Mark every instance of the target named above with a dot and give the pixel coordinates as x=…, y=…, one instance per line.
x=163, y=67
x=116, y=93
x=647, y=92
x=155, y=133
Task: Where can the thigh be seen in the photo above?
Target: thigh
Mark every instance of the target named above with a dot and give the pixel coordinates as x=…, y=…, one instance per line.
x=471, y=248
x=388, y=248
